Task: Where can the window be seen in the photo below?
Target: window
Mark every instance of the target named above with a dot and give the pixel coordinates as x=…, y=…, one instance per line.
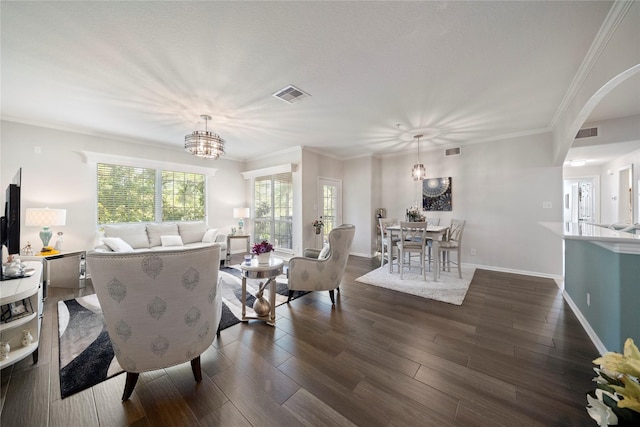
x=182, y=196
x=134, y=194
x=273, y=199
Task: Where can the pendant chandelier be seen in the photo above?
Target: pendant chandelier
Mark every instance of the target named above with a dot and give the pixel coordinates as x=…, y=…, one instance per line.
x=418, y=172
x=205, y=144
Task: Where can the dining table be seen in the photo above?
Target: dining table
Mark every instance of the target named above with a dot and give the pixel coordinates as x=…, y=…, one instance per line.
x=435, y=232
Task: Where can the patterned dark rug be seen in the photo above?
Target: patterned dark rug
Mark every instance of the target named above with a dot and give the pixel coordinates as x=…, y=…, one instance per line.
x=86, y=355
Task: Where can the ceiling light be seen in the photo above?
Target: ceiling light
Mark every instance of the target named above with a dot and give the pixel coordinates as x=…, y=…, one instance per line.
x=575, y=163
x=418, y=172
x=205, y=144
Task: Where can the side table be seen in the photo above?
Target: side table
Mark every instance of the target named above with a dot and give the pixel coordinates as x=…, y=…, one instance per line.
x=269, y=271
x=65, y=269
x=235, y=236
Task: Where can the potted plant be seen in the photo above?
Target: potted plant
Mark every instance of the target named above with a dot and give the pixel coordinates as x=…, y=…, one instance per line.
x=318, y=224
x=263, y=251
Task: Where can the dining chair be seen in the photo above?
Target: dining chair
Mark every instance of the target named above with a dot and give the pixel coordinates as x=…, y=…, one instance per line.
x=412, y=240
x=430, y=221
x=452, y=243
x=387, y=248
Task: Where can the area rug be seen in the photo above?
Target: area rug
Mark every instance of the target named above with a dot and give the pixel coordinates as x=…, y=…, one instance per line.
x=86, y=354
x=449, y=287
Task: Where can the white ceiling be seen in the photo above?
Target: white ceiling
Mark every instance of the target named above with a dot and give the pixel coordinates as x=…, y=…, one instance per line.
x=377, y=72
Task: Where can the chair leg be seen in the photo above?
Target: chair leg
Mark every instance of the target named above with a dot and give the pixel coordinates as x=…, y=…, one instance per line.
x=129, y=385
x=332, y=296
x=290, y=296
x=196, y=369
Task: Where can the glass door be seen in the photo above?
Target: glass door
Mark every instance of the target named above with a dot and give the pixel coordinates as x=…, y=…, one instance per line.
x=329, y=205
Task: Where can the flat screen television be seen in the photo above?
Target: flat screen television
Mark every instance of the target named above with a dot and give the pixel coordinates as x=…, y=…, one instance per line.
x=10, y=222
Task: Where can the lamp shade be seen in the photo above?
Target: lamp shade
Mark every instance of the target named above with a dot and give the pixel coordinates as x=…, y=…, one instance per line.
x=241, y=213
x=45, y=217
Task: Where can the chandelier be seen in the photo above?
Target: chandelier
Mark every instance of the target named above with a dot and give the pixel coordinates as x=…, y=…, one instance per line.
x=418, y=172
x=205, y=144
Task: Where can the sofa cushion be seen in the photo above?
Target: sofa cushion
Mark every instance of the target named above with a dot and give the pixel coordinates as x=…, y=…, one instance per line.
x=192, y=232
x=155, y=231
x=210, y=235
x=134, y=234
x=172, y=240
x=116, y=244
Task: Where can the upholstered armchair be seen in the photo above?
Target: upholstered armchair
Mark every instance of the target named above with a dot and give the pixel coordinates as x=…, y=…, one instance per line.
x=161, y=308
x=322, y=273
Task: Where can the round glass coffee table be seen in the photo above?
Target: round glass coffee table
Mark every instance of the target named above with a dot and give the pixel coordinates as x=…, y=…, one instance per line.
x=254, y=270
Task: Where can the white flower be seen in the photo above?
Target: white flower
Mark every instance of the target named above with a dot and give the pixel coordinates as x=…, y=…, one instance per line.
x=600, y=412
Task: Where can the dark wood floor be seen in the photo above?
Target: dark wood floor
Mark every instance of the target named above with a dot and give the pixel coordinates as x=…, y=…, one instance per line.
x=513, y=354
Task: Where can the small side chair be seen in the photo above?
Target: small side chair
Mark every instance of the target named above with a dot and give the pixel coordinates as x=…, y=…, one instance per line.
x=323, y=274
x=161, y=308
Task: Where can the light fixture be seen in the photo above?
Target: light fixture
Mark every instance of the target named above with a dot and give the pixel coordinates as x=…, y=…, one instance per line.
x=241, y=213
x=205, y=144
x=577, y=163
x=45, y=218
x=418, y=172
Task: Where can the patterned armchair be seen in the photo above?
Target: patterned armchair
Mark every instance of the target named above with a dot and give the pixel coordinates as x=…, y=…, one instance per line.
x=323, y=274
x=161, y=308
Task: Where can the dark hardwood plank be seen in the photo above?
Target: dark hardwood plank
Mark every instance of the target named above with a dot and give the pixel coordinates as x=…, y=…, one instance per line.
x=313, y=412
x=512, y=353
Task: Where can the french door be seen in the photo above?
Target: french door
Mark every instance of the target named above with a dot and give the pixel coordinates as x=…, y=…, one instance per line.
x=329, y=204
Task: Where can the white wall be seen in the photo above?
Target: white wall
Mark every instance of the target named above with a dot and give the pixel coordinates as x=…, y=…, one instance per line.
x=360, y=203
x=55, y=174
x=499, y=189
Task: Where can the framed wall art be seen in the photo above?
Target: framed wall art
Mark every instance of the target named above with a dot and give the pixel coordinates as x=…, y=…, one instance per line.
x=436, y=194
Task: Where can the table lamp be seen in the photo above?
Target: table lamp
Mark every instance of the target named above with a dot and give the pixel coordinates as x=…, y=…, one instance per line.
x=45, y=218
x=241, y=213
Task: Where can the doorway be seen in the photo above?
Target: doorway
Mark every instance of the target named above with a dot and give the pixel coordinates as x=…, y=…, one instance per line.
x=625, y=196
x=581, y=200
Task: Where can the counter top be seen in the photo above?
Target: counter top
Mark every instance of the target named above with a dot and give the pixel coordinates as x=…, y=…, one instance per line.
x=615, y=241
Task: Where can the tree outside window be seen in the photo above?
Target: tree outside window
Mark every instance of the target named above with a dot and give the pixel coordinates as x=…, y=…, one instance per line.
x=133, y=194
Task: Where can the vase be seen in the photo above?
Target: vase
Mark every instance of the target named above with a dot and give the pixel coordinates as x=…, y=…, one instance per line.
x=261, y=306
x=264, y=258
x=27, y=338
x=318, y=230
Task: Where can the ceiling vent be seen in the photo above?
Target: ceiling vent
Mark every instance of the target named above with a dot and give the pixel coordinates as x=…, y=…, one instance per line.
x=587, y=133
x=452, y=152
x=291, y=94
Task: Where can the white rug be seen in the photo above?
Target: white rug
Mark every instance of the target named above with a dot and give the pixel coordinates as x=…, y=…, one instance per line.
x=449, y=288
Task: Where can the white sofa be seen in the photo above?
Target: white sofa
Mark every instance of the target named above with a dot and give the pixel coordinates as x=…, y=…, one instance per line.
x=158, y=236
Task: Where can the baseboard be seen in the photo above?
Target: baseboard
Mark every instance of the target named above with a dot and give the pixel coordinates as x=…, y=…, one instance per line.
x=602, y=349
x=513, y=271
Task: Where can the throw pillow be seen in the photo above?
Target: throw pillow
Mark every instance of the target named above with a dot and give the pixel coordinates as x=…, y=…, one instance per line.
x=210, y=235
x=134, y=234
x=155, y=230
x=325, y=252
x=171, y=240
x=116, y=244
x=192, y=232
